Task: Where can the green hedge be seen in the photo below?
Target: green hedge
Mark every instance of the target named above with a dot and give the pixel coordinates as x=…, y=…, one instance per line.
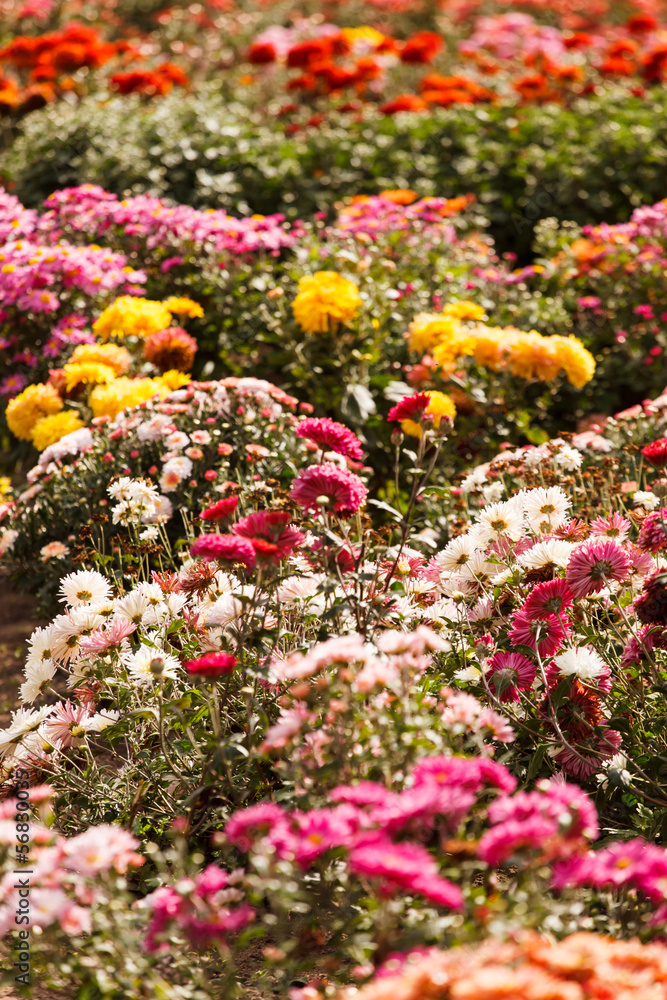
x=591, y=162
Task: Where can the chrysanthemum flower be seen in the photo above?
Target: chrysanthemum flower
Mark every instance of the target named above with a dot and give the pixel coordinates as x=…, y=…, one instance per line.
x=148, y=665
x=510, y=673
x=181, y=305
x=653, y=532
x=270, y=533
x=220, y=510
x=326, y=487
x=410, y=407
x=651, y=605
x=594, y=564
x=35, y=402
x=84, y=587
x=656, y=452
x=49, y=430
x=549, y=598
x=440, y=407
x=546, y=509
x=112, y=355
x=109, y=400
x=224, y=548
x=325, y=300
x=86, y=373
x=545, y=635
x=586, y=665
x=212, y=665
x=169, y=349
x=331, y=436
x=613, y=526
x=131, y=316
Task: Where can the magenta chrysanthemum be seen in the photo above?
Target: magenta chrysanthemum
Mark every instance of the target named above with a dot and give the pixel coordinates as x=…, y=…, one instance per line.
x=548, y=598
x=331, y=436
x=595, y=564
x=404, y=866
x=270, y=534
x=326, y=487
x=653, y=532
x=225, y=548
x=410, y=408
x=545, y=635
x=510, y=673
x=212, y=665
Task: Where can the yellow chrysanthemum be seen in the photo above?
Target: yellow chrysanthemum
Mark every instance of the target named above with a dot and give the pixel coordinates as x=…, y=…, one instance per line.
x=440, y=405
x=108, y=400
x=5, y=487
x=35, y=402
x=465, y=309
x=487, y=346
x=87, y=373
x=48, y=430
x=173, y=379
x=364, y=33
x=459, y=344
x=180, y=305
x=577, y=363
x=325, y=300
x=113, y=355
x=429, y=329
x=129, y=316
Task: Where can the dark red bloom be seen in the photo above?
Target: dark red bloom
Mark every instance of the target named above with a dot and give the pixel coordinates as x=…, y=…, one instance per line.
x=651, y=605
x=261, y=53
x=653, y=532
x=212, y=665
x=410, y=408
x=656, y=452
x=421, y=47
x=220, y=510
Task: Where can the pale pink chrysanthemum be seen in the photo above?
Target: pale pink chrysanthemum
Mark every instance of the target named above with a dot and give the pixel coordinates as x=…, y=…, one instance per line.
x=545, y=635
x=510, y=673
x=594, y=564
x=331, y=436
x=111, y=637
x=100, y=848
x=613, y=526
x=326, y=487
x=67, y=725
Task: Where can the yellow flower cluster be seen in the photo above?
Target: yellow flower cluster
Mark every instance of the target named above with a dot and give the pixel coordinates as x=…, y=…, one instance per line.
x=440, y=405
x=109, y=399
x=130, y=316
x=86, y=373
x=48, y=430
x=112, y=355
x=34, y=403
x=528, y=355
x=325, y=300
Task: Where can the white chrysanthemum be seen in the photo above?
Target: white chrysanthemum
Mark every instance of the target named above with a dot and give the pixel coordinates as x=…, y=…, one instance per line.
x=151, y=591
x=493, y=492
x=458, y=588
x=583, y=663
x=38, y=675
x=143, y=492
x=615, y=769
x=153, y=429
x=163, y=508
x=67, y=638
x=84, y=587
x=179, y=466
x=502, y=577
x=546, y=509
x=555, y=552
x=534, y=456
x=132, y=607
x=443, y=612
x=149, y=534
x=469, y=673
x=569, y=458
x=296, y=590
x=226, y=610
x=474, y=480
x=41, y=645
x=85, y=619
x=456, y=554
x=482, y=611
x=499, y=520
x=120, y=490
x=98, y=723
x=28, y=720
x=149, y=664
x=104, y=608
x=645, y=499
x=8, y=538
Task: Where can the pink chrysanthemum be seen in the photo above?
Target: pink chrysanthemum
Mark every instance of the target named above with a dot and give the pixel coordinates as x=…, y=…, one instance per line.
x=614, y=526
x=404, y=866
x=331, y=436
x=653, y=532
x=102, y=639
x=548, y=598
x=656, y=452
x=545, y=635
x=212, y=665
x=326, y=487
x=641, y=646
x=410, y=408
x=594, y=564
x=247, y=825
x=587, y=758
x=510, y=673
x=224, y=548
x=270, y=533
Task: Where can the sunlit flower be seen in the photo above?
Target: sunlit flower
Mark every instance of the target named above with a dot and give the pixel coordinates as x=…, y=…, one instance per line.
x=325, y=300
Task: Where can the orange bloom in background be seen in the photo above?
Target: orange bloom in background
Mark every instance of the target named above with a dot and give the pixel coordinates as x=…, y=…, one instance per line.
x=400, y=196
x=568, y=74
x=404, y=102
x=303, y=54
x=535, y=88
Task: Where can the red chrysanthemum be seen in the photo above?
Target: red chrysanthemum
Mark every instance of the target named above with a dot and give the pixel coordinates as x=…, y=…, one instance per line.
x=594, y=564
x=549, y=598
x=651, y=605
x=656, y=452
x=224, y=548
x=212, y=665
x=270, y=534
x=510, y=673
x=326, y=487
x=220, y=510
x=331, y=436
x=545, y=635
x=410, y=408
